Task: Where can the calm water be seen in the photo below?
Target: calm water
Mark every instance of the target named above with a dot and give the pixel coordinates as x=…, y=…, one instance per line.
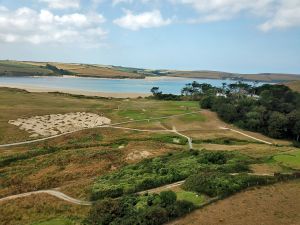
x=167, y=85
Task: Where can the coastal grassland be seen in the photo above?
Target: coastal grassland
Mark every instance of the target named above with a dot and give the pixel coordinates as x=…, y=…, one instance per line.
x=89, y=70
x=270, y=205
x=16, y=104
x=74, y=163
x=41, y=210
x=71, y=162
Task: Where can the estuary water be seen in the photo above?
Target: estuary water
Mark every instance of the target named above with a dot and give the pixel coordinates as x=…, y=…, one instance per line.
x=166, y=84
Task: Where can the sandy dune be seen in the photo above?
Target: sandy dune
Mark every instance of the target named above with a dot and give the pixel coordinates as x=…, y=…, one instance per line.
x=54, y=124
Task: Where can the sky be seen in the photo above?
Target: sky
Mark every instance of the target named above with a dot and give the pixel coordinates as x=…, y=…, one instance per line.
x=242, y=36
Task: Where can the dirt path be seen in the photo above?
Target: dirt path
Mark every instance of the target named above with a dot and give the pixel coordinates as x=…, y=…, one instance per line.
x=169, y=186
x=102, y=126
x=182, y=135
x=154, y=131
x=239, y=132
x=54, y=193
x=67, y=198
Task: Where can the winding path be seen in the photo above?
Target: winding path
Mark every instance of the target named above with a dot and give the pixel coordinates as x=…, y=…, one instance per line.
x=69, y=199
x=54, y=193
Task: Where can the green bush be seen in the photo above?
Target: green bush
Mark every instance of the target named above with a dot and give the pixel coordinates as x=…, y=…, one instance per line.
x=149, y=209
x=219, y=184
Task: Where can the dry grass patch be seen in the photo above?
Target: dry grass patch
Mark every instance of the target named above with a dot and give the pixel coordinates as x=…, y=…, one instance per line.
x=271, y=205
x=39, y=208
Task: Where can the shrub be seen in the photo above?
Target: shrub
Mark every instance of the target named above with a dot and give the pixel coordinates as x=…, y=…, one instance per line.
x=167, y=198
x=220, y=184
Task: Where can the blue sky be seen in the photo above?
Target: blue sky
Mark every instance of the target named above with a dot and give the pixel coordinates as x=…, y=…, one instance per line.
x=226, y=35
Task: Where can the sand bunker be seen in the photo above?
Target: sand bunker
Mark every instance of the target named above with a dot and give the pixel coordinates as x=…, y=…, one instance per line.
x=54, y=124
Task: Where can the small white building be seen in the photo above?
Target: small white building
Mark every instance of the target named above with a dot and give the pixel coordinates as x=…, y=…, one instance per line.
x=221, y=95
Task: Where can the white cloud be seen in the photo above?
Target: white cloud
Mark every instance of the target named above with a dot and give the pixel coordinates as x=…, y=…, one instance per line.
x=62, y=4
x=287, y=15
x=278, y=13
x=29, y=26
x=216, y=10
x=116, y=2
x=143, y=20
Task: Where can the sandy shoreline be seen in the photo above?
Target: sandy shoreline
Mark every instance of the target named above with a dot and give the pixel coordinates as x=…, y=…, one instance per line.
x=31, y=88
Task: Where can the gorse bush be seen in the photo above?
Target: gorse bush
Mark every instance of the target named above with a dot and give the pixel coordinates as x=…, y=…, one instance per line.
x=155, y=172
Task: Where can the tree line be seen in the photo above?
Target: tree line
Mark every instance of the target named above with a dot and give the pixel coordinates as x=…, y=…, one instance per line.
x=273, y=110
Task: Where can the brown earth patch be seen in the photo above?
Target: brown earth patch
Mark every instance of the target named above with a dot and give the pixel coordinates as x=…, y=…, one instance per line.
x=270, y=205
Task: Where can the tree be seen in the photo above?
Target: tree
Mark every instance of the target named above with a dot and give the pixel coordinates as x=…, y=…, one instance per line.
x=105, y=211
x=277, y=125
x=227, y=112
x=154, y=216
x=155, y=91
x=167, y=198
x=207, y=102
x=296, y=130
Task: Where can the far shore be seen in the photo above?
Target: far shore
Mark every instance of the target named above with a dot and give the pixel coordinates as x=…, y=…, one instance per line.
x=31, y=88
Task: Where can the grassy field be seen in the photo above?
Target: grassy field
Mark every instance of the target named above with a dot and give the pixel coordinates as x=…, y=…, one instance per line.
x=271, y=205
x=295, y=85
x=291, y=159
x=75, y=161
x=13, y=68
x=93, y=70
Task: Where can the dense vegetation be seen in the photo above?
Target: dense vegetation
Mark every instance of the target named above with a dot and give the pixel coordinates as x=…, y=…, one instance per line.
x=273, y=110
x=148, y=209
x=218, y=184
x=155, y=172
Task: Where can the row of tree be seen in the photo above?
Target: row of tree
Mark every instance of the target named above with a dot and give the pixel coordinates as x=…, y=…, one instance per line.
x=276, y=112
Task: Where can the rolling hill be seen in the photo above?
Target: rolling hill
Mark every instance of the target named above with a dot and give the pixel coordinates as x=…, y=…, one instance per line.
x=30, y=68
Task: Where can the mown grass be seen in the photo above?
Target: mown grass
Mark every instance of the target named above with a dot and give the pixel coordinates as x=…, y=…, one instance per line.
x=193, y=197
x=291, y=159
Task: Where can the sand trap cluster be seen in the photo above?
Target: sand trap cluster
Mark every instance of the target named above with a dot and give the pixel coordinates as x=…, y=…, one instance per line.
x=54, y=124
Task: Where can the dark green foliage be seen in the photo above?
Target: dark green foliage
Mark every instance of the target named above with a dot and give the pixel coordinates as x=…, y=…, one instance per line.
x=220, y=184
x=151, y=173
x=167, y=198
x=207, y=102
x=276, y=112
x=150, y=209
x=214, y=158
x=157, y=94
x=58, y=71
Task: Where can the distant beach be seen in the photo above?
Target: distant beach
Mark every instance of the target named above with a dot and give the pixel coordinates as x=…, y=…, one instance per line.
x=75, y=92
